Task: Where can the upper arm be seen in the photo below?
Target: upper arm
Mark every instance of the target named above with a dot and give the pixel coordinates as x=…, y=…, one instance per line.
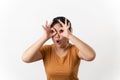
x=78, y=53
x=86, y=56
x=38, y=56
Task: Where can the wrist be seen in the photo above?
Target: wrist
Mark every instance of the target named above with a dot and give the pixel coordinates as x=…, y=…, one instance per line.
x=70, y=36
x=45, y=38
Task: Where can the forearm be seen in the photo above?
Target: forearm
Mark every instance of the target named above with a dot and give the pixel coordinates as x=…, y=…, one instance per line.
x=31, y=51
x=85, y=51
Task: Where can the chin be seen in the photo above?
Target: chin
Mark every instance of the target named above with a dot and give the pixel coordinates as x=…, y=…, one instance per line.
x=58, y=45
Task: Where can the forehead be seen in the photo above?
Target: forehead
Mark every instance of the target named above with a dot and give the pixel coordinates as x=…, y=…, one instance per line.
x=57, y=26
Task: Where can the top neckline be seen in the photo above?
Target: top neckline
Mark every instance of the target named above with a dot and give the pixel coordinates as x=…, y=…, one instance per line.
x=61, y=57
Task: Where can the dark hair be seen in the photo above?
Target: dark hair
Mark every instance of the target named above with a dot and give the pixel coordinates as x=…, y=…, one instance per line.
x=61, y=18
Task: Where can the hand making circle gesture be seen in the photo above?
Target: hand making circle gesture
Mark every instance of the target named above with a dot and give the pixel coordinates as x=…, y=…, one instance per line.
x=49, y=32
x=65, y=28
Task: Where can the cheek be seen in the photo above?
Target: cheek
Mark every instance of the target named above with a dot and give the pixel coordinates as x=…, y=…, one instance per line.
x=65, y=39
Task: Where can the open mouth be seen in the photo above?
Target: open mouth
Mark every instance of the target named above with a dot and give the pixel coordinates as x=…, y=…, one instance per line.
x=58, y=41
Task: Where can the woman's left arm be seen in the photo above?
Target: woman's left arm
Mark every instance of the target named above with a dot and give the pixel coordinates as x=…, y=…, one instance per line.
x=85, y=51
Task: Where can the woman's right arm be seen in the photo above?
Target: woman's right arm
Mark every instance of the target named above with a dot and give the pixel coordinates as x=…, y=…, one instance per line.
x=33, y=52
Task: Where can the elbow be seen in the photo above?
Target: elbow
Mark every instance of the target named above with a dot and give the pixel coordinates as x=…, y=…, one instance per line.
x=91, y=57
x=24, y=59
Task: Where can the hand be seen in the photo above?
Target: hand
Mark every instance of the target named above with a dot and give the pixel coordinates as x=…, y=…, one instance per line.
x=49, y=32
x=64, y=31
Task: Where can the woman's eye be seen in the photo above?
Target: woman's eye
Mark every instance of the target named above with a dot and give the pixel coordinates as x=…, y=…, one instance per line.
x=61, y=31
x=52, y=31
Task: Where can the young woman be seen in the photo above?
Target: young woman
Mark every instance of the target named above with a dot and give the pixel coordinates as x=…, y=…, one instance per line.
x=62, y=58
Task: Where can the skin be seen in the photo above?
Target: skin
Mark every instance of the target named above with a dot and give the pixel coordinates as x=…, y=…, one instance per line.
x=59, y=32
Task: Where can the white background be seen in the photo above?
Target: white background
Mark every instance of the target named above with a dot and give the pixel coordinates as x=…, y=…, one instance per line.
x=96, y=22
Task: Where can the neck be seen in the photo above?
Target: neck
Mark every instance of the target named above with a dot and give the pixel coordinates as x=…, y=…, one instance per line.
x=63, y=47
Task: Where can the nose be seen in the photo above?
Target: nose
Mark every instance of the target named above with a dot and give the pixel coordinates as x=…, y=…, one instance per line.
x=57, y=35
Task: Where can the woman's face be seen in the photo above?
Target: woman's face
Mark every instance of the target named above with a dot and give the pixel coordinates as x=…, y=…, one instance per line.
x=57, y=38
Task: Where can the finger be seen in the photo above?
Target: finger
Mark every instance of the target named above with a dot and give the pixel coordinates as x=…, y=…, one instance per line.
x=60, y=22
x=50, y=23
x=65, y=21
x=43, y=27
x=46, y=23
x=54, y=30
x=53, y=33
x=69, y=25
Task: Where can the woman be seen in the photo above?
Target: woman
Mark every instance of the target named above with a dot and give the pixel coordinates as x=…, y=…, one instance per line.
x=62, y=58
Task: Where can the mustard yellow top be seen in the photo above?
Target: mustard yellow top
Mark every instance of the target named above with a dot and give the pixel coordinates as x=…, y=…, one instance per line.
x=60, y=68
